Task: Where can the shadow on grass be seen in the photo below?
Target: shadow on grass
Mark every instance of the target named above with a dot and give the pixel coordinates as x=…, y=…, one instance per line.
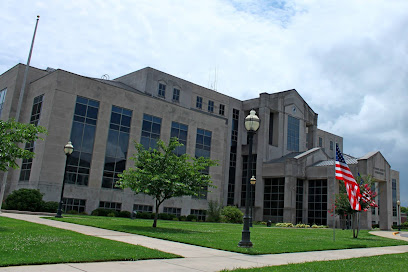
x=147, y=230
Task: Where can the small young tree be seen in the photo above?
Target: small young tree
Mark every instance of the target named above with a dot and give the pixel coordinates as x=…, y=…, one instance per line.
x=367, y=201
x=12, y=134
x=162, y=174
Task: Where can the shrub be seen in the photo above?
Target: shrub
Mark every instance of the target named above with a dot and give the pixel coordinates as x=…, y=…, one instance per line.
x=284, y=225
x=145, y=215
x=191, y=217
x=103, y=212
x=214, y=211
x=73, y=212
x=24, y=200
x=125, y=214
x=304, y=226
x=111, y=214
x=49, y=206
x=183, y=218
x=232, y=214
x=175, y=219
x=165, y=216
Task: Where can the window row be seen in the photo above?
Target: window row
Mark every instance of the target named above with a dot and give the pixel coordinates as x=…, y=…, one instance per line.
x=161, y=92
x=210, y=106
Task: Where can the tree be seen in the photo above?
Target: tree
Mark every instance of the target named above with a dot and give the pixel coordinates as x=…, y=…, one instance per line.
x=342, y=204
x=162, y=174
x=12, y=134
x=404, y=209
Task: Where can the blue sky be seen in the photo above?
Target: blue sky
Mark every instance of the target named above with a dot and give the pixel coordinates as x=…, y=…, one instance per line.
x=348, y=59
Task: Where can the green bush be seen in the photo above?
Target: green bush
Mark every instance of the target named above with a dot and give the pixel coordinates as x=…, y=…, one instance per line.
x=303, y=226
x=49, y=206
x=231, y=214
x=25, y=200
x=284, y=225
x=125, y=214
x=103, y=212
x=165, y=216
x=145, y=215
x=183, y=218
x=72, y=212
x=214, y=211
x=111, y=214
x=191, y=217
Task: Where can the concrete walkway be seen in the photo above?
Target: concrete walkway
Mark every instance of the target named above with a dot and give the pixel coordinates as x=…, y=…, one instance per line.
x=196, y=258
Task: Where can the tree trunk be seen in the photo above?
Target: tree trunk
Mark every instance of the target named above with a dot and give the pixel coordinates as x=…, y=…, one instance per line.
x=156, y=215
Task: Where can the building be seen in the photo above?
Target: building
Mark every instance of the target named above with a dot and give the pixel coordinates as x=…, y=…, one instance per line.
x=293, y=159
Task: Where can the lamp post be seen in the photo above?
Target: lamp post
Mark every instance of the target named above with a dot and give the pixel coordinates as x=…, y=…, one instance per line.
x=253, y=182
x=251, y=125
x=399, y=215
x=68, y=149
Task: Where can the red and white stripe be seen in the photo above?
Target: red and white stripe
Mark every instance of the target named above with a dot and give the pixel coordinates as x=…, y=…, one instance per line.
x=353, y=190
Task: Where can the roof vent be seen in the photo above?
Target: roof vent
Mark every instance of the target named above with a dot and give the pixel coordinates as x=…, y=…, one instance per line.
x=50, y=70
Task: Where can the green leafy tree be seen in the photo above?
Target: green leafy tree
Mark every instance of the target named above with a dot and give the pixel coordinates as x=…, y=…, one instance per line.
x=342, y=203
x=404, y=209
x=12, y=135
x=162, y=174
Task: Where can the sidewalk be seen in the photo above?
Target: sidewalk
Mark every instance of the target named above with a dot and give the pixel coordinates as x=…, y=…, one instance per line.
x=196, y=258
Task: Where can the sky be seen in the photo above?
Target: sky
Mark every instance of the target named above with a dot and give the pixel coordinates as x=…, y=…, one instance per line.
x=347, y=59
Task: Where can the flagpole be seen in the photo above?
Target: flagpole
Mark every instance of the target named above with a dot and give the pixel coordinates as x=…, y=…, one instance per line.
x=20, y=103
x=334, y=192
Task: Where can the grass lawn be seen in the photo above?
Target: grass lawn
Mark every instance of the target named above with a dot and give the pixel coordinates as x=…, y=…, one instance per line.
x=389, y=263
x=23, y=243
x=226, y=236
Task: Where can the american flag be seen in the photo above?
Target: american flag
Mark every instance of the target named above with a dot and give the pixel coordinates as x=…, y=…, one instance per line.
x=343, y=173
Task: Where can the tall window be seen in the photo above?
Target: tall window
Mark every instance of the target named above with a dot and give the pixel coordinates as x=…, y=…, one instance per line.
x=210, y=106
x=244, y=178
x=82, y=137
x=299, y=201
x=116, y=146
x=203, y=149
x=233, y=157
x=34, y=119
x=320, y=142
x=222, y=109
x=394, y=197
x=180, y=132
x=317, y=202
x=293, y=134
x=162, y=90
x=274, y=196
x=331, y=145
x=176, y=95
x=2, y=98
x=199, y=102
x=150, y=131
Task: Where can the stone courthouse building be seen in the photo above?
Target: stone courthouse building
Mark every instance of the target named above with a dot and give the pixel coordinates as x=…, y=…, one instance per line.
x=293, y=159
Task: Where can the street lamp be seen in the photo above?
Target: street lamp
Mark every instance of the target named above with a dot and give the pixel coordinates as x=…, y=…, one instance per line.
x=68, y=149
x=253, y=182
x=251, y=125
x=399, y=215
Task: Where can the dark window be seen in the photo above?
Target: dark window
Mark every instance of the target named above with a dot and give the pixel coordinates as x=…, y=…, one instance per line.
x=210, y=106
x=199, y=102
x=82, y=138
x=317, y=204
x=34, y=120
x=320, y=142
x=171, y=210
x=176, y=95
x=203, y=149
x=331, y=145
x=274, y=194
x=73, y=204
x=271, y=116
x=150, y=131
x=142, y=208
x=110, y=205
x=116, y=146
x=199, y=213
x=179, y=131
x=244, y=178
x=394, y=197
x=162, y=90
x=221, y=109
x=293, y=134
x=233, y=157
x=2, y=99
x=299, y=201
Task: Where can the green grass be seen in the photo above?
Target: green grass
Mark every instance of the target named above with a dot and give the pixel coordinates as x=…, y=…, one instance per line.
x=24, y=243
x=389, y=263
x=226, y=236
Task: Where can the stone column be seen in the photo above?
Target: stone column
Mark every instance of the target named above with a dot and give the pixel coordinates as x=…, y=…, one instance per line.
x=385, y=210
x=289, y=210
